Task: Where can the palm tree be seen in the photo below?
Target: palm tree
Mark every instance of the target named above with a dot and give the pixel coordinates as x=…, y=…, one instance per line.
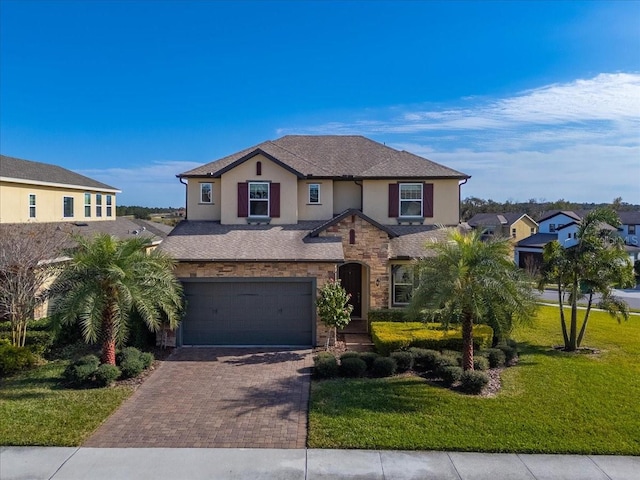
x=592, y=266
x=474, y=281
x=107, y=280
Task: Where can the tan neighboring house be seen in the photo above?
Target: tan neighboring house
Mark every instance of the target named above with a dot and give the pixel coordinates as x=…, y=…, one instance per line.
x=41, y=195
x=268, y=226
x=513, y=225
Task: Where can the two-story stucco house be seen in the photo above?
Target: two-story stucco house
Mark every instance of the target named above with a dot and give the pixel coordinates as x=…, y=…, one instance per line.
x=269, y=225
x=513, y=225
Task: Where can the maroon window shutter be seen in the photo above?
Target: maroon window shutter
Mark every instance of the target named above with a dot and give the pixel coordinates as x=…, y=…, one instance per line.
x=394, y=207
x=274, y=201
x=243, y=199
x=427, y=200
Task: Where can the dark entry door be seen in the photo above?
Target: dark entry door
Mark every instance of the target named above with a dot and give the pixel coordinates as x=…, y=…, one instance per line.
x=351, y=278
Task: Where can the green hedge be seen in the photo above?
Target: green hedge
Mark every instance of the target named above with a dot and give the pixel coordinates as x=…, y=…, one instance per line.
x=387, y=315
x=390, y=336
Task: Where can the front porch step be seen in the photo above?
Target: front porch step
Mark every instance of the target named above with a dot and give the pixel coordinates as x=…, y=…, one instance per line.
x=358, y=342
x=356, y=325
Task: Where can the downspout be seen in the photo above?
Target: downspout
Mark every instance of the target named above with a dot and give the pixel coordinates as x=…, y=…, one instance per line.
x=460, y=197
x=361, y=195
x=186, y=198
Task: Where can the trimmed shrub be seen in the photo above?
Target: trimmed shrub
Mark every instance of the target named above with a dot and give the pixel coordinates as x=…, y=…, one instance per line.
x=37, y=341
x=390, y=336
x=325, y=365
x=424, y=359
x=444, y=361
x=480, y=363
x=107, y=374
x=496, y=357
x=510, y=353
x=450, y=375
x=368, y=358
x=82, y=370
x=473, y=382
x=147, y=359
x=404, y=360
x=131, y=367
x=387, y=315
x=352, y=367
x=349, y=355
x=15, y=359
x=383, y=367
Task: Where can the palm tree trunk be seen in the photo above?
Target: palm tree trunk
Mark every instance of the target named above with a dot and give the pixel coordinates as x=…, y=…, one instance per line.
x=109, y=335
x=573, y=333
x=586, y=319
x=565, y=336
x=467, y=342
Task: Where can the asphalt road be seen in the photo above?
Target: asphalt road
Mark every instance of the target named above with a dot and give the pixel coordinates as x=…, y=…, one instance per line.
x=631, y=296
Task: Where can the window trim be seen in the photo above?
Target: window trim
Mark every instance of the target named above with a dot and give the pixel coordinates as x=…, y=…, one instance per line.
x=412, y=283
x=32, y=206
x=64, y=211
x=514, y=233
x=109, y=206
x=421, y=200
x=98, y=205
x=631, y=229
x=201, y=200
x=309, y=201
x=87, y=204
x=256, y=200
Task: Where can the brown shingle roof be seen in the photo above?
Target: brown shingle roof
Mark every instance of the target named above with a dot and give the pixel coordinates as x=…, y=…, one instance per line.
x=28, y=170
x=334, y=156
x=209, y=241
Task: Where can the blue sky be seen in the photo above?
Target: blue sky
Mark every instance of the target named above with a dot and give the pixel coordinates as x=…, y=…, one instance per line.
x=532, y=99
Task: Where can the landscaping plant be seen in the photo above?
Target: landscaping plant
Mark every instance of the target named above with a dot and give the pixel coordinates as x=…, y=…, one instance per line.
x=472, y=280
x=333, y=308
x=593, y=266
x=107, y=280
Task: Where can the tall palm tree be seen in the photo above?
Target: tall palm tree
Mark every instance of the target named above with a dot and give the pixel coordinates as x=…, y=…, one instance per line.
x=474, y=281
x=107, y=280
x=592, y=266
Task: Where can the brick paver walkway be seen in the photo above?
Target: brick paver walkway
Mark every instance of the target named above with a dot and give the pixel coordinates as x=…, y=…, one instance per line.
x=216, y=397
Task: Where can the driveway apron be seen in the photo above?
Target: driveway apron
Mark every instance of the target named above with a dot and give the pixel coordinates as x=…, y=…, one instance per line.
x=216, y=397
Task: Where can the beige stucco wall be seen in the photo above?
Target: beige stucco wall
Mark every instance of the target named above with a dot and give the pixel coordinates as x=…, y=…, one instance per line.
x=523, y=228
x=321, y=271
x=203, y=211
x=323, y=211
x=446, y=202
x=271, y=172
x=346, y=195
x=14, y=203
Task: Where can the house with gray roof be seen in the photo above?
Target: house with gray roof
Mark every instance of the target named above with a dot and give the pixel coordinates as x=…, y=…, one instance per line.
x=268, y=226
x=513, y=225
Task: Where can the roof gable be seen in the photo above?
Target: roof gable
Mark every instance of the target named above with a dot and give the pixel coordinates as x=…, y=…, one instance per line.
x=345, y=214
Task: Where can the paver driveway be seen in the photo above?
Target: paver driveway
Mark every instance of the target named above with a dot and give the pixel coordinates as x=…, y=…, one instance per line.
x=216, y=397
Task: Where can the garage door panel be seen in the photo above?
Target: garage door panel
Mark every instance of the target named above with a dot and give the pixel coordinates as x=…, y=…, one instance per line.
x=248, y=313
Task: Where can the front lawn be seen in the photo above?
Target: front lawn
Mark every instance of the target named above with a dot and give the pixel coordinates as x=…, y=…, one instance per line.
x=35, y=409
x=551, y=402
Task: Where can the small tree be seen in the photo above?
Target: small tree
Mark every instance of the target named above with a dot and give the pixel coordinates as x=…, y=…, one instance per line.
x=333, y=308
x=29, y=258
x=593, y=266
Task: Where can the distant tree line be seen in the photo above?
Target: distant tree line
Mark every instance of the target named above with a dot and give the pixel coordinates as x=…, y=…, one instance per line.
x=143, y=213
x=534, y=208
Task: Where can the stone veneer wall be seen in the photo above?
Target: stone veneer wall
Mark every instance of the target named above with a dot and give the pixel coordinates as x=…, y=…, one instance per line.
x=322, y=271
x=371, y=248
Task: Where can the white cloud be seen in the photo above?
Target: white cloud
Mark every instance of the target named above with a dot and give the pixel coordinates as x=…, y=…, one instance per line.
x=578, y=140
x=144, y=185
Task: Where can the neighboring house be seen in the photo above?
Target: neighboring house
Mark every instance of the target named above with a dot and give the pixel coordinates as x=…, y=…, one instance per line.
x=516, y=226
x=562, y=225
x=266, y=227
x=37, y=195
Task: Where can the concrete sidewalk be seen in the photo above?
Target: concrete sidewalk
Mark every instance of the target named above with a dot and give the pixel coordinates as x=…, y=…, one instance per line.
x=46, y=463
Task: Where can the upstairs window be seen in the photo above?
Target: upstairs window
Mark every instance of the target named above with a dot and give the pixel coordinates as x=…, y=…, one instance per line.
x=32, y=205
x=206, y=193
x=87, y=205
x=533, y=230
x=98, y=204
x=258, y=199
x=67, y=207
x=314, y=193
x=632, y=229
x=513, y=232
x=411, y=200
x=552, y=227
x=109, y=206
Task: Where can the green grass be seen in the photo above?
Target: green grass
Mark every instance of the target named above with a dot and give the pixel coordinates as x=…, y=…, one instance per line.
x=35, y=409
x=551, y=402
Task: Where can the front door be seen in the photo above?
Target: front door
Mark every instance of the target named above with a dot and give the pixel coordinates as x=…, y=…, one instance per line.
x=350, y=276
